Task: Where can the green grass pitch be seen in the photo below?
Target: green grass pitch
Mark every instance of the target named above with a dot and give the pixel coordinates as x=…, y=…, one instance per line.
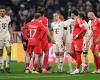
x=18, y=74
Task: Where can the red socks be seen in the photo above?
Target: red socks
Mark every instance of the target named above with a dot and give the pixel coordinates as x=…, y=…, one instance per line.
x=97, y=62
x=78, y=60
x=45, y=61
x=35, y=66
x=33, y=58
x=27, y=65
x=73, y=56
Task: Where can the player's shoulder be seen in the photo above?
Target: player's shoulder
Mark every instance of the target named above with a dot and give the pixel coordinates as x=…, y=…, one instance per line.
x=68, y=21
x=43, y=18
x=52, y=23
x=98, y=19
x=7, y=17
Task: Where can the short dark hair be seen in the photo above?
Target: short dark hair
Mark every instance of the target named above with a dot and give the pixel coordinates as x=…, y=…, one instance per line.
x=75, y=12
x=2, y=7
x=37, y=15
x=82, y=15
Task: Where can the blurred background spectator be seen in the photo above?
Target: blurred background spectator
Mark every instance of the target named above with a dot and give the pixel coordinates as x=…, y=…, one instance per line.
x=22, y=11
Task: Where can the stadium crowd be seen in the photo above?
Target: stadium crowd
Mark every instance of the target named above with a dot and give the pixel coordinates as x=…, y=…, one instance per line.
x=22, y=10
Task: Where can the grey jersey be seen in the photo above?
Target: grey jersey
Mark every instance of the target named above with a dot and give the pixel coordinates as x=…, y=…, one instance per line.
x=69, y=33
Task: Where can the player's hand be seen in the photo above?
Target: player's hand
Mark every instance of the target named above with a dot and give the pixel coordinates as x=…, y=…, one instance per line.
x=53, y=41
x=26, y=38
x=76, y=36
x=24, y=43
x=12, y=41
x=97, y=41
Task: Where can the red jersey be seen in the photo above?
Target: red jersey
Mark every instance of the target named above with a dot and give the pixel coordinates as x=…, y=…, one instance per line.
x=45, y=44
x=95, y=26
x=35, y=29
x=79, y=27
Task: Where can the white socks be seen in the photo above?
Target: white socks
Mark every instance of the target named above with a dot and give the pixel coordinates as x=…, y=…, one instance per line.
x=8, y=58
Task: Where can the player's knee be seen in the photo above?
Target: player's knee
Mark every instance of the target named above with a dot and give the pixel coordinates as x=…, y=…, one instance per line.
x=46, y=52
x=85, y=52
x=96, y=53
x=36, y=58
x=79, y=52
x=57, y=53
x=61, y=54
x=9, y=53
x=72, y=52
x=1, y=52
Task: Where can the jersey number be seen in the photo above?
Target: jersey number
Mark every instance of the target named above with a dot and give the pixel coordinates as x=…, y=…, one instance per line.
x=32, y=32
x=3, y=25
x=57, y=31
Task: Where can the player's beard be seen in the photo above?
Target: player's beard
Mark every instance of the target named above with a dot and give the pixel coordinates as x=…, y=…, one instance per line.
x=2, y=15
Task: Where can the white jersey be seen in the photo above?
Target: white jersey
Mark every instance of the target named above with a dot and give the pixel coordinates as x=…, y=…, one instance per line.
x=4, y=32
x=87, y=36
x=58, y=30
x=69, y=33
x=88, y=30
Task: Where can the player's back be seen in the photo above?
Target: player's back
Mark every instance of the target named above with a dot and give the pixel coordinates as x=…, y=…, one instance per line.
x=34, y=29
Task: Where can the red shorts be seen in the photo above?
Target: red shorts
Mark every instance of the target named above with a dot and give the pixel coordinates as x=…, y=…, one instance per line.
x=96, y=47
x=45, y=44
x=77, y=45
x=37, y=49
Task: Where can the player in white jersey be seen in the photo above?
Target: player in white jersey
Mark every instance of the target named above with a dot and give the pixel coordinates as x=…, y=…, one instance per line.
x=58, y=28
x=4, y=40
x=68, y=35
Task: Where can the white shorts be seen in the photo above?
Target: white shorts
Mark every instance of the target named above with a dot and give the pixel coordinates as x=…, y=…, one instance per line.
x=5, y=41
x=88, y=46
x=58, y=47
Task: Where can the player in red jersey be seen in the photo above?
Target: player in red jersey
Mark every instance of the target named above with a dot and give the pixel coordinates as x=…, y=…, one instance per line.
x=95, y=26
x=36, y=32
x=45, y=44
x=44, y=41
x=77, y=42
